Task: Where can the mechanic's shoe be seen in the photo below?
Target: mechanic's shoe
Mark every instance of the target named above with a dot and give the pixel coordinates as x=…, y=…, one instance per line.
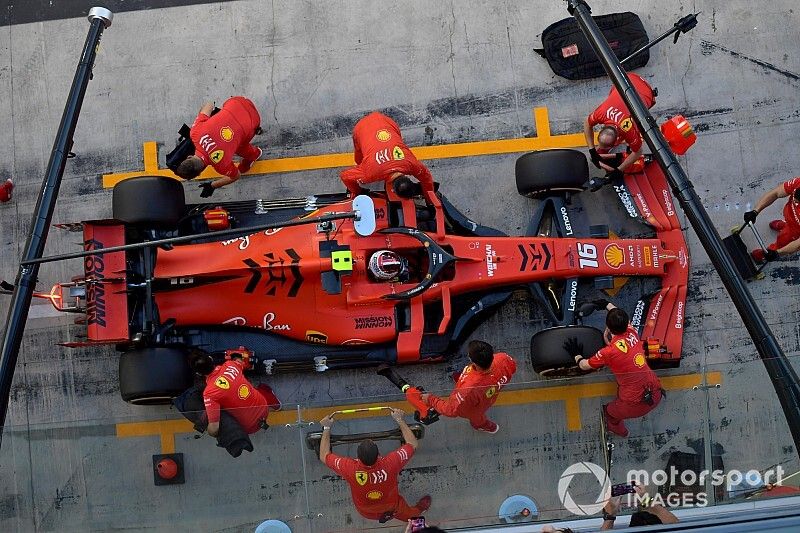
x=758, y=255
x=245, y=165
x=424, y=503
x=617, y=429
x=777, y=225
x=272, y=400
x=489, y=427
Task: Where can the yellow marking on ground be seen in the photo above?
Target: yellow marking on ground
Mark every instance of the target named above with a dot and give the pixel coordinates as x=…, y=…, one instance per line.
x=569, y=394
x=543, y=140
x=150, y=153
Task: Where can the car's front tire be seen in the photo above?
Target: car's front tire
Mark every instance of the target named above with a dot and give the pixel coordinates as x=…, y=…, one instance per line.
x=153, y=375
x=551, y=360
x=551, y=172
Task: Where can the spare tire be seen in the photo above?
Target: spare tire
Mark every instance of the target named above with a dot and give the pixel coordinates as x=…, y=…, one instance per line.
x=153, y=376
x=153, y=201
x=551, y=171
x=550, y=359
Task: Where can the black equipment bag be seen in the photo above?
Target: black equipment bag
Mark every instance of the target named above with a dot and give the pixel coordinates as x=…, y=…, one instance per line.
x=231, y=435
x=570, y=56
x=184, y=148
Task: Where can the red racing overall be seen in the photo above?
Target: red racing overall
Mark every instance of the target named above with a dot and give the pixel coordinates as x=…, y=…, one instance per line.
x=229, y=132
x=227, y=388
x=374, y=488
x=5, y=190
x=791, y=214
x=476, y=391
x=624, y=355
x=614, y=112
x=380, y=153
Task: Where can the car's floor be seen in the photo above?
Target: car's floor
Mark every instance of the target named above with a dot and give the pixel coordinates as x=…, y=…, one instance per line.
x=75, y=457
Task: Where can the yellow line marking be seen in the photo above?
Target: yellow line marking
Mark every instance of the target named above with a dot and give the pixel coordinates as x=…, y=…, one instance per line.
x=150, y=153
x=569, y=394
x=543, y=140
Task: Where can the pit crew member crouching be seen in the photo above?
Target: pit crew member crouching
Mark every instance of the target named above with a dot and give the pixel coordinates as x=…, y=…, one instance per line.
x=639, y=390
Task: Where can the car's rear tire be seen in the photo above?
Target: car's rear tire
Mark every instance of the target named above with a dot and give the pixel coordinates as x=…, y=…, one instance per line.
x=154, y=201
x=153, y=376
x=551, y=171
x=550, y=359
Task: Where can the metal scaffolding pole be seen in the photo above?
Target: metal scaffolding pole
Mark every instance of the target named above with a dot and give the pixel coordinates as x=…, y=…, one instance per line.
x=783, y=376
x=99, y=19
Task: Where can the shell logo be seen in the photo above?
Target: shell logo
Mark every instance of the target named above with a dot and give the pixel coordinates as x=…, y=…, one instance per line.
x=615, y=256
x=244, y=392
x=226, y=133
x=383, y=135
x=639, y=360
x=374, y=495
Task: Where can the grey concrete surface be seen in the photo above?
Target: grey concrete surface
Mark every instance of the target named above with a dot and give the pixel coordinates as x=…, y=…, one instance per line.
x=449, y=71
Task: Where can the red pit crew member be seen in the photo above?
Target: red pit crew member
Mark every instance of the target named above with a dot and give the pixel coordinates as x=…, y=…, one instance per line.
x=477, y=387
x=788, y=240
x=381, y=155
x=618, y=127
x=639, y=390
x=217, y=139
x=372, y=477
x=6, y=189
x=227, y=388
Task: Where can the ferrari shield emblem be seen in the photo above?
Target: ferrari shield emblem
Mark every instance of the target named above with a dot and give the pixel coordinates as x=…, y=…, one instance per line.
x=397, y=154
x=217, y=155
x=361, y=478
x=491, y=391
x=622, y=346
x=222, y=383
x=626, y=124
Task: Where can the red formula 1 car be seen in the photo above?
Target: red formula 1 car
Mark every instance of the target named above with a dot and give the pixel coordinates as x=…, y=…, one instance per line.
x=325, y=295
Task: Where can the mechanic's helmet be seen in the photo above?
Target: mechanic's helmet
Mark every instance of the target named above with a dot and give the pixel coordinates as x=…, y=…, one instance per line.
x=386, y=265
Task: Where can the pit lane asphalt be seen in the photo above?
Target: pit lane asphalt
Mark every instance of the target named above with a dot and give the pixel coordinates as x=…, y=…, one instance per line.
x=452, y=72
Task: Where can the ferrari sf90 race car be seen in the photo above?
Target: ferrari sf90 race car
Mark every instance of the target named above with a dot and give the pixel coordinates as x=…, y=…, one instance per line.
x=403, y=280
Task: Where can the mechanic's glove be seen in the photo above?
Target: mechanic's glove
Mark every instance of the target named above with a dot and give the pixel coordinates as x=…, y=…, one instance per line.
x=595, y=157
x=750, y=216
x=600, y=303
x=207, y=190
x=614, y=174
x=574, y=348
x=770, y=255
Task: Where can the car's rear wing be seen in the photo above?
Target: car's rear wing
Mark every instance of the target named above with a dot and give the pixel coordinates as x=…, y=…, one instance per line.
x=659, y=318
x=106, y=284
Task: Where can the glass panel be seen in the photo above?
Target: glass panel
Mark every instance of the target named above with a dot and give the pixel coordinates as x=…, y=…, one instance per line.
x=65, y=475
x=101, y=472
x=750, y=434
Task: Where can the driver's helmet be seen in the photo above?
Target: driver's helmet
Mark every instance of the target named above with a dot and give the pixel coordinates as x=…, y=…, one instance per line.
x=386, y=265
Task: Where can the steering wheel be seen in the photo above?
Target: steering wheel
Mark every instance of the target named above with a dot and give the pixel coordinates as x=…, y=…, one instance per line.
x=438, y=259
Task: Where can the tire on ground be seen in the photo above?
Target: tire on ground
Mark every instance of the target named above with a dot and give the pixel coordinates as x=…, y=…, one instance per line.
x=149, y=201
x=153, y=376
x=550, y=359
x=551, y=171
